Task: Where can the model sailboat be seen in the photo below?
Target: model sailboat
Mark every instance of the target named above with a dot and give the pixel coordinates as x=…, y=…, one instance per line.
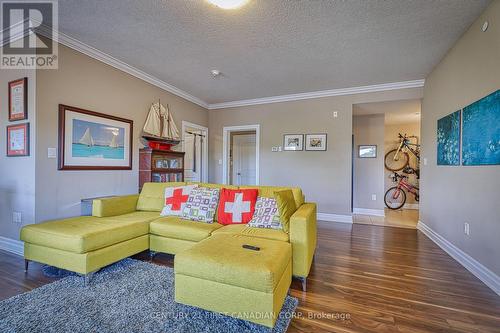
x=87, y=139
x=160, y=129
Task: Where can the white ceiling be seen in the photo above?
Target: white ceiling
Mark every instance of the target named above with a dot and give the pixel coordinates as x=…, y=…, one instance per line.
x=270, y=48
x=396, y=112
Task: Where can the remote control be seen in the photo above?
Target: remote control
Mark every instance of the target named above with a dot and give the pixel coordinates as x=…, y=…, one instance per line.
x=251, y=247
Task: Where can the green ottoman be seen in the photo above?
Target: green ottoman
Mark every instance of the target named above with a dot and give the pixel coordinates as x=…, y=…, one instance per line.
x=218, y=274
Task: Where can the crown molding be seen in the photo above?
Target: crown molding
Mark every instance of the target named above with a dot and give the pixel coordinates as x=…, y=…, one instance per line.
x=101, y=56
x=319, y=94
x=124, y=67
x=94, y=53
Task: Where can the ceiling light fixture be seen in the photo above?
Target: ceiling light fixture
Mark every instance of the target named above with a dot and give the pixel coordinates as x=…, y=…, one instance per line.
x=228, y=4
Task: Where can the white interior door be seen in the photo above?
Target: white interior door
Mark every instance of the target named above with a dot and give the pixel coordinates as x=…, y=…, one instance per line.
x=243, y=159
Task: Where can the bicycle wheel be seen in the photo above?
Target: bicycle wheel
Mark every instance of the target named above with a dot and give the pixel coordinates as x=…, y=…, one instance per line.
x=397, y=164
x=395, y=198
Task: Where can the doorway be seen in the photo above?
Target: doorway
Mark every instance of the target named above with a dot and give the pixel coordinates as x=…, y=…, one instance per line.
x=195, y=145
x=241, y=155
x=377, y=184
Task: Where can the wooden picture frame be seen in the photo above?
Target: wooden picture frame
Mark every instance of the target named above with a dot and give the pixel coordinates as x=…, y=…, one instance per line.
x=363, y=151
x=316, y=142
x=109, y=148
x=18, y=140
x=293, y=142
x=18, y=99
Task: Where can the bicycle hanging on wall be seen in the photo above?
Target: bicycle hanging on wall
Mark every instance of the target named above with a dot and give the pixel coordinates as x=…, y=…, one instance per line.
x=397, y=159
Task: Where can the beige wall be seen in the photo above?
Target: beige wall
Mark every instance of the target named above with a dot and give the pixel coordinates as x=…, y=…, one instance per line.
x=89, y=84
x=392, y=141
x=325, y=177
x=368, y=172
x=454, y=195
x=17, y=174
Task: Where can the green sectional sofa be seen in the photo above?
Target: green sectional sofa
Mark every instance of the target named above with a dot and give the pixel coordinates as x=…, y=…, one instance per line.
x=126, y=225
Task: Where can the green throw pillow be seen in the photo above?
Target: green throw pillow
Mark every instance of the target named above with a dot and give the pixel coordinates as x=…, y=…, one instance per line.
x=286, y=207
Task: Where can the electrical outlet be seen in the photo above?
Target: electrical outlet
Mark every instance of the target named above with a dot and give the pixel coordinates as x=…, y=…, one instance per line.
x=220, y=162
x=467, y=229
x=425, y=161
x=374, y=197
x=17, y=217
x=335, y=114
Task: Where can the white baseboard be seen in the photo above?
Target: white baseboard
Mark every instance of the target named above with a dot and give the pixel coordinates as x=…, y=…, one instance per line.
x=366, y=211
x=334, y=217
x=472, y=265
x=12, y=245
x=411, y=206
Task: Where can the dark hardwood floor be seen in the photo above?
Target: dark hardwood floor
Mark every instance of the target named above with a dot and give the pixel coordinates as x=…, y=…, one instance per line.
x=364, y=279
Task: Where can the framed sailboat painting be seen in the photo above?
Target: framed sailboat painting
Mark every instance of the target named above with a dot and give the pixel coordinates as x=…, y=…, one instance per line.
x=90, y=140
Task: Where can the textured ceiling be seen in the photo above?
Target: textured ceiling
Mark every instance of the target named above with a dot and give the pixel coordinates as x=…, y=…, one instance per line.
x=396, y=112
x=271, y=47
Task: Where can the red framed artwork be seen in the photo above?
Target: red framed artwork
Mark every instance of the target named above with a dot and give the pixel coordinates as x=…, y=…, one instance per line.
x=18, y=140
x=18, y=99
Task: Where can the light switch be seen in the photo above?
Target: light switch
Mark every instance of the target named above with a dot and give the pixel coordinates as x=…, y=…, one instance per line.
x=279, y=148
x=335, y=114
x=51, y=152
x=425, y=161
x=220, y=162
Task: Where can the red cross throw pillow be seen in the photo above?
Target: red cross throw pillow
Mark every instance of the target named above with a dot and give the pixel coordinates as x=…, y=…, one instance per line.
x=236, y=206
x=175, y=199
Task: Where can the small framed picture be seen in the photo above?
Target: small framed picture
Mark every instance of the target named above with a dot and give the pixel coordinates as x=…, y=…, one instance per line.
x=316, y=142
x=367, y=151
x=18, y=99
x=18, y=140
x=293, y=142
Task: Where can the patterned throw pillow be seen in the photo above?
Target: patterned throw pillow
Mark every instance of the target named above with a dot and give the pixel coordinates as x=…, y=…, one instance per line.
x=266, y=214
x=201, y=204
x=175, y=199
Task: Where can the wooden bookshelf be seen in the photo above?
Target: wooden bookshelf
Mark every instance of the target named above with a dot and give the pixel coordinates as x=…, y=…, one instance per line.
x=160, y=166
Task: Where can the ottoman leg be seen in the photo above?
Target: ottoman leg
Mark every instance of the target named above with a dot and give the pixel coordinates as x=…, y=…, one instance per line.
x=26, y=264
x=87, y=277
x=152, y=255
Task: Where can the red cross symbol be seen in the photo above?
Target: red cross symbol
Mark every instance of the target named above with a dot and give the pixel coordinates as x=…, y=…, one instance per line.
x=177, y=199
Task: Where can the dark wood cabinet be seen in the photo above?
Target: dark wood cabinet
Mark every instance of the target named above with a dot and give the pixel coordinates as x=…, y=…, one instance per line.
x=160, y=166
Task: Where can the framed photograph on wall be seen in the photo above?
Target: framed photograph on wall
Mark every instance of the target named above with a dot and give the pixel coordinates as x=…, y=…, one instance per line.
x=293, y=142
x=18, y=99
x=316, y=142
x=367, y=151
x=93, y=141
x=18, y=140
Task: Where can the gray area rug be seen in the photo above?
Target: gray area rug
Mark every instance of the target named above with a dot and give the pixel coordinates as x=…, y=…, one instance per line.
x=129, y=296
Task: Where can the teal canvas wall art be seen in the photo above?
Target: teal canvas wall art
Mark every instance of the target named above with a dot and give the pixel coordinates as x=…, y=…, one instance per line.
x=481, y=131
x=448, y=139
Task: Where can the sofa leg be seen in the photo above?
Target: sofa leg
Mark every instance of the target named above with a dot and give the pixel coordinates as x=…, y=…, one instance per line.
x=303, y=281
x=26, y=264
x=152, y=255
